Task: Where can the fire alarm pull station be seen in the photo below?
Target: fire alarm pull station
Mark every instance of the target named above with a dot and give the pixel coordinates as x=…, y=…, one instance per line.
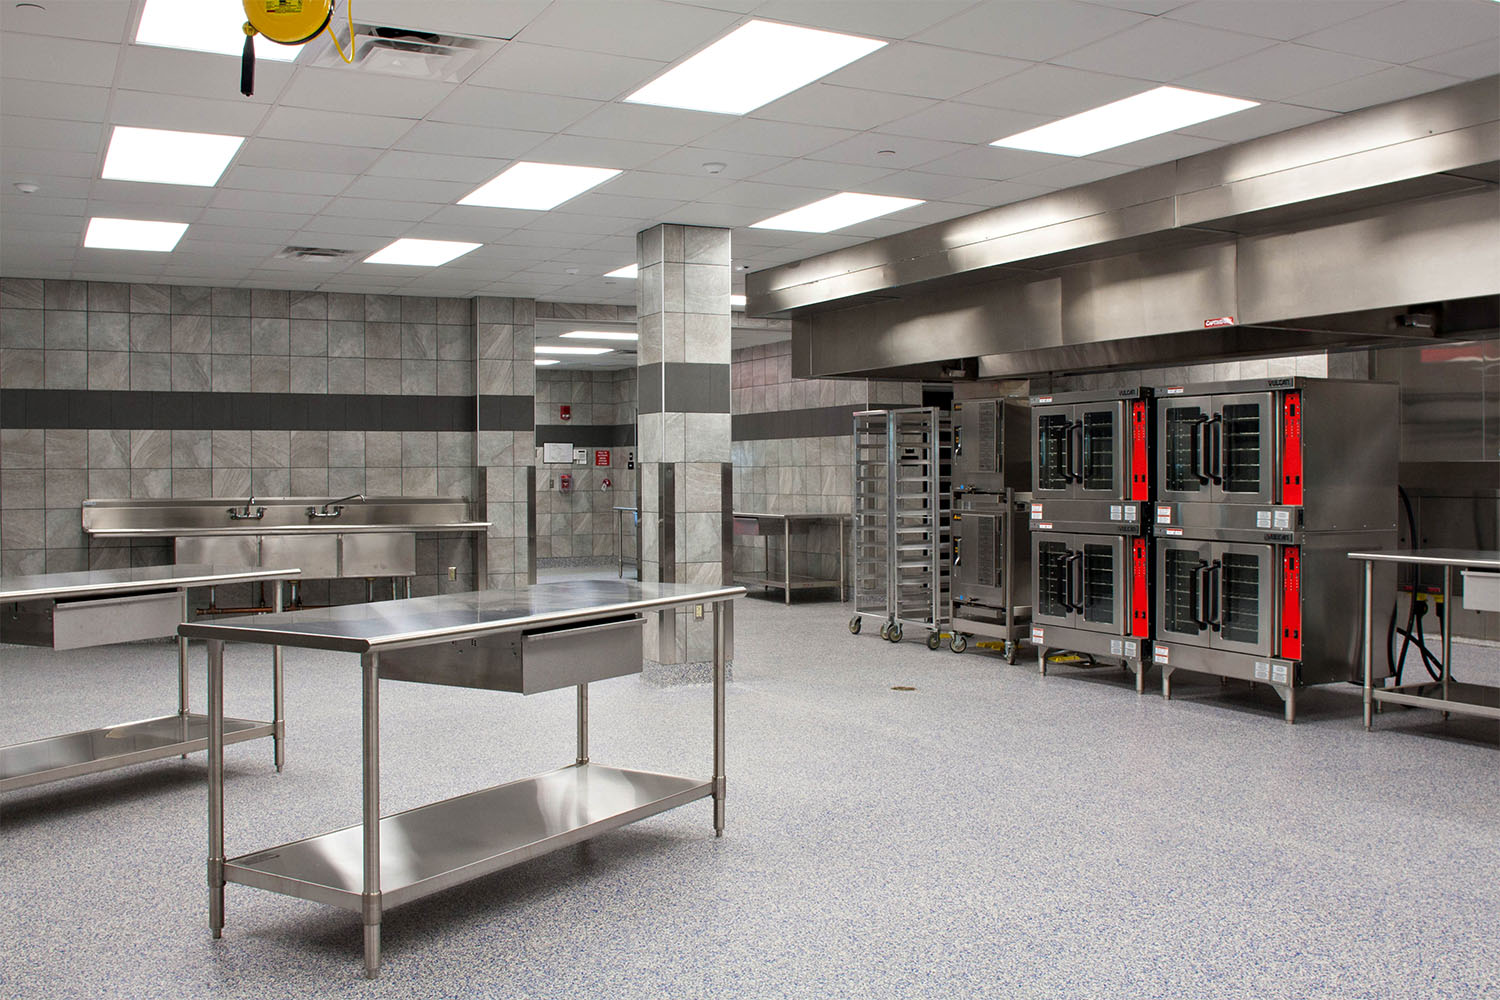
x=565, y=412
x=565, y=483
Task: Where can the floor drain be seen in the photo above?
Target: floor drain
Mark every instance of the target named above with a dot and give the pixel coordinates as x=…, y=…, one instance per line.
x=902, y=687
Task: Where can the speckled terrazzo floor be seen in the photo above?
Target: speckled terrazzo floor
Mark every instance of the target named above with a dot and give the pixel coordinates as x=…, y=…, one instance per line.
x=990, y=834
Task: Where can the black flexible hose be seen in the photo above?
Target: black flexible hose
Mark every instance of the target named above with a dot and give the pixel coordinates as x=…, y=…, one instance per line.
x=1412, y=634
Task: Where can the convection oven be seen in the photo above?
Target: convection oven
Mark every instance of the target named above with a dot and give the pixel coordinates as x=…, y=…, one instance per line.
x=1263, y=487
x=1090, y=455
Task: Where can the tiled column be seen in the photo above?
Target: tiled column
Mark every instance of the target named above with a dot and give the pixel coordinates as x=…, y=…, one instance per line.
x=505, y=475
x=683, y=387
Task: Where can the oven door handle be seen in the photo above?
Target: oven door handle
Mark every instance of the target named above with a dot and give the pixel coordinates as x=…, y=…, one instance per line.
x=1213, y=590
x=1198, y=581
x=1215, y=449
x=1073, y=453
x=1073, y=594
x=1197, y=462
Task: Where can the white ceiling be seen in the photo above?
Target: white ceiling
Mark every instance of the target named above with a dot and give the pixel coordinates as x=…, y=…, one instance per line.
x=346, y=158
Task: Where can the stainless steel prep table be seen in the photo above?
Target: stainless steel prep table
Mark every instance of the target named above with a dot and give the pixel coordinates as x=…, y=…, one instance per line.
x=1449, y=560
x=755, y=523
x=635, y=520
x=541, y=638
x=99, y=607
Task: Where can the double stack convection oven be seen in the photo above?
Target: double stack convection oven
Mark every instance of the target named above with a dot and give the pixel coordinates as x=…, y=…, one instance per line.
x=1262, y=489
x=991, y=576
x=1091, y=488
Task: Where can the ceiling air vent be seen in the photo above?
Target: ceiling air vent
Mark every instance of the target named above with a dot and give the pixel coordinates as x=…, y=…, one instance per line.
x=408, y=52
x=315, y=253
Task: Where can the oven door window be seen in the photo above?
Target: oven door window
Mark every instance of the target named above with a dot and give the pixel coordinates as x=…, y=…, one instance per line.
x=1052, y=451
x=1052, y=580
x=1243, y=459
x=1181, y=591
x=1245, y=597
x=1101, y=583
x=1100, y=451
x=1182, y=449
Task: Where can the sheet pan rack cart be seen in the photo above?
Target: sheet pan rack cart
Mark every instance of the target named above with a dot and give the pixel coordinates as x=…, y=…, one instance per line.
x=902, y=520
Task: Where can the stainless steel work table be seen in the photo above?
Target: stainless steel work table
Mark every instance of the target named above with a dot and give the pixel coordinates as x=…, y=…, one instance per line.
x=498, y=640
x=754, y=523
x=635, y=519
x=100, y=607
x=1448, y=559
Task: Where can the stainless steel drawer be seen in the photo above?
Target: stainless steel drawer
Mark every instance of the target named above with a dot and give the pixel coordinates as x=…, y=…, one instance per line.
x=523, y=663
x=391, y=553
x=219, y=550
x=317, y=556
x=93, y=622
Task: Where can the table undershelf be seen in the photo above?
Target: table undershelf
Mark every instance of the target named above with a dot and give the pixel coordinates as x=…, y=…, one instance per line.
x=778, y=581
x=1464, y=699
x=443, y=844
x=57, y=757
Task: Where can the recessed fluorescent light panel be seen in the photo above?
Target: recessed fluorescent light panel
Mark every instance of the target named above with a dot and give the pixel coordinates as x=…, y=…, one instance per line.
x=753, y=65
x=836, y=212
x=133, y=234
x=537, y=186
x=573, y=350
x=421, y=253
x=159, y=156
x=600, y=335
x=204, y=26
x=543, y=362
x=1164, y=109
x=628, y=271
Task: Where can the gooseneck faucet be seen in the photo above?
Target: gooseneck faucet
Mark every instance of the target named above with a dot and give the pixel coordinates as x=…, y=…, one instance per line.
x=336, y=505
x=245, y=513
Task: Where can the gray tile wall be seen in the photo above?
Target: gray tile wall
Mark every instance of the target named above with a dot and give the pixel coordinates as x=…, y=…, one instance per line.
x=504, y=332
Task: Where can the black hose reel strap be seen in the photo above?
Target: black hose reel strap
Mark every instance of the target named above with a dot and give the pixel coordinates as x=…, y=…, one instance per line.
x=247, y=63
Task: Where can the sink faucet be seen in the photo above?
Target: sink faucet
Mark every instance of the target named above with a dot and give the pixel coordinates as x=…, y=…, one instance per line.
x=337, y=505
x=245, y=513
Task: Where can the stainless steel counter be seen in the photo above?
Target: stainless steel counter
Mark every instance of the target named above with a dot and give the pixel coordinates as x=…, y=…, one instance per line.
x=541, y=638
x=1406, y=694
x=99, y=607
x=292, y=529
x=754, y=523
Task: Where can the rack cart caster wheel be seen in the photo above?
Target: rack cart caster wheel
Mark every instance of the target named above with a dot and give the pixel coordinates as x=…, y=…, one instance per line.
x=854, y=624
x=1010, y=652
x=958, y=643
x=885, y=631
x=934, y=640
x=895, y=633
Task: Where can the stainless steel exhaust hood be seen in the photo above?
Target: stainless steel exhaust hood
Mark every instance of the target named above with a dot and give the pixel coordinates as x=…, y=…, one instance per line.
x=1375, y=227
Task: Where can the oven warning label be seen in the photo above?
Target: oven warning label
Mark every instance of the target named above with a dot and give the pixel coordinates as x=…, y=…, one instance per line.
x=1174, y=532
x=1262, y=519
x=1130, y=512
x=1114, y=512
x=1164, y=515
x=1037, y=638
x=1132, y=650
x=1262, y=670
x=1044, y=525
x=1116, y=647
x=1278, y=673
x=1283, y=519
x=1036, y=512
x=1160, y=655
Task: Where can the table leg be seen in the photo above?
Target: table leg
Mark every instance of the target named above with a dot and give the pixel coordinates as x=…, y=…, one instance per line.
x=407, y=591
x=371, y=902
x=216, y=787
x=182, y=675
x=720, y=785
x=1366, y=644
x=278, y=694
x=583, y=724
x=620, y=544
x=787, y=555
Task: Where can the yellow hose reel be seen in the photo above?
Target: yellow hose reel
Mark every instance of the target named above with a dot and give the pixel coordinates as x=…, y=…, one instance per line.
x=288, y=22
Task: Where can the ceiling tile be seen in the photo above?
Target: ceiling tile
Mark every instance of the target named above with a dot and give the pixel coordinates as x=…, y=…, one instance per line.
x=378, y=210
x=351, y=90
x=408, y=189
x=871, y=18
x=755, y=135
x=269, y=201
x=642, y=28
x=1252, y=123
x=470, y=140
x=690, y=159
x=1162, y=50
x=963, y=123
x=841, y=107
x=924, y=70
x=1280, y=71
x=512, y=109
x=1073, y=173
x=545, y=69
x=131, y=192
x=1036, y=30
x=434, y=166
x=17, y=162
x=47, y=133
x=198, y=74
x=95, y=20
x=630, y=121
x=1159, y=149
x=776, y=197
x=1151, y=7
x=991, y=163
x=53, y=100
x=334, y=127
x=1471, y=63
x=1273, y=18
x=250, y=178
x=57, y=60
x=901, y=152
x=1377, y=88
x=484, y=18
x=1408, y=31
x=186, y=114
x=1056, y=91
x=646, y=184
x=591, y=151
x=291, y=155
x=611, y=206
x=918, y=184
x=727, y=216
x=825, y=174
x=993, y=194
x=479, y=218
